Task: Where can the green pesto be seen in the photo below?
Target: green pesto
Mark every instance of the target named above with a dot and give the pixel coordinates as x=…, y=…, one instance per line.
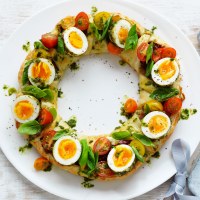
x=11, y=91
x=93, y=10
x=156, y=155
x=186, y=113
x=74, y=66
x=26, y=47
x=5, y=87
x=60, y=93
x=122, y=62
x=48, y=169
x=72, y=121
x=86, y=183
x=22, y=149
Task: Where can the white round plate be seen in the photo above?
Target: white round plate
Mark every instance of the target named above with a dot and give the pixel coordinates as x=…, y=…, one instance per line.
x=93, y=94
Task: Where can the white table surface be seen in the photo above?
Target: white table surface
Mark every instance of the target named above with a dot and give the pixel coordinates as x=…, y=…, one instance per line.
x=184, y=13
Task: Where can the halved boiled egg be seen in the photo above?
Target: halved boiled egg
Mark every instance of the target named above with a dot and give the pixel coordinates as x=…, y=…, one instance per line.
x=119, y=32
x=67, y=150
x=26, y=108
x=75, y=41
x=120, y=158
x=41, y=72
x=155, y=124
x=165, y=71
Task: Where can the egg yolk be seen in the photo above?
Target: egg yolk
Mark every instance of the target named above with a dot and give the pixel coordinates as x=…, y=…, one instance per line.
x=67, y=149
x=122, y=156
x=157, y=124
x=123, y=34
x=41, y=70
x=167, y=70
x=24, y=110
x=75, y=40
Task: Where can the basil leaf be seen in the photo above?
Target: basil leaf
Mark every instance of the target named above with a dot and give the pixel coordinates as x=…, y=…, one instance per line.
x=49, y=94
x=106, y=27
x=91, y=159
x=95, y=31
x=132, y=39
x=72, y=122
x=164, y=93
x=149, y=68
x=149, y=52
x=60, y=134
x=146, y=108
x=53, y=112
x=84, y=154
x=25, y=72
x=138, y=156
x=90, y=164
x=39, y=45
x=143, y=139
x=30, y=128
x=34, y=91
x=96, y=156
x=60, y=45
x=121, y=135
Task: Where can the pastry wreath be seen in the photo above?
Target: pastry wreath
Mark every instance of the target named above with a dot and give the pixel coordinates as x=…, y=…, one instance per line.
x=150, y=122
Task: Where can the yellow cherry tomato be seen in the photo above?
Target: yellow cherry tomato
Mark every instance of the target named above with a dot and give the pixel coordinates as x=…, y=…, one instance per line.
x=139, y=146
x=100, y=19
x=153, y=105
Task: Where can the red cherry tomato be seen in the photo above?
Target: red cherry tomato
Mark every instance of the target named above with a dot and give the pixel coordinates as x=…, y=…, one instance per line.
x=157, y=54
x=104, y=171
x=172, y=105
x=49, y=40
x=113, y=49
x=130, y=106
x=168, y=52
x=102, y=146
x=141, y=51
x=82, y=21
x=45, y=117
x=47, y=139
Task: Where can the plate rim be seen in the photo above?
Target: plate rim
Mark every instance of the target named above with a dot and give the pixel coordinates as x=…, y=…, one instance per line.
x=163, y=18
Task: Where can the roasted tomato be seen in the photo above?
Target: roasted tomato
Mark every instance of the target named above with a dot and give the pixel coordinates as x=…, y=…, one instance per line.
x=172, y=105
x=47, y=140
x=102, y=146
x=82, y=21
x=49, y=40
x=104, y=171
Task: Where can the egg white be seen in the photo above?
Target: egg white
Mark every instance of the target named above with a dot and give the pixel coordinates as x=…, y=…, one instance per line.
x=111, y=163
x=44, y=82
x=156, y=77
x=115, y=30
x=35, y=103
x=67, y=161
x=146, y=129
x=69, y=46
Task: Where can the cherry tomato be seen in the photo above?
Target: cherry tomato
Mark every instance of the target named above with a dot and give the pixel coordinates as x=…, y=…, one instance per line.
x=130, y=106
x=113, y=49
x=172, y=105
x=49, y=40
x=47, y=139
x=45, y=117
x=82, y=21
x=157, y=54
x=104, y=171
x=41, y=163
x=141, y=51
x=102, y=146
x=168, y=52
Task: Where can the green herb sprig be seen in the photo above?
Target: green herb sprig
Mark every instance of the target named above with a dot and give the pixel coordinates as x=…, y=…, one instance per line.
x=132, y=39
